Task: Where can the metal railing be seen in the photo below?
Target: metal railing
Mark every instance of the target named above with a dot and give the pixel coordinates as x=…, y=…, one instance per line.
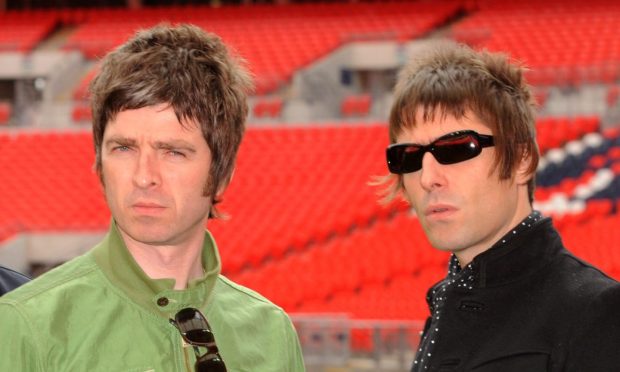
x=335, y=342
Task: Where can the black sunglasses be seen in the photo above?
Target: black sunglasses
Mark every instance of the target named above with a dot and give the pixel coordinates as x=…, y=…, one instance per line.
x=451, y=148
x=196, y=331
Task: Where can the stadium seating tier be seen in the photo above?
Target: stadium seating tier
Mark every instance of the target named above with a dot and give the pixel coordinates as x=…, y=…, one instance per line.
x=300, y=203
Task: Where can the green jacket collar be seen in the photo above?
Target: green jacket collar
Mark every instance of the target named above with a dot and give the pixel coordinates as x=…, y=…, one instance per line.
x=156, y=295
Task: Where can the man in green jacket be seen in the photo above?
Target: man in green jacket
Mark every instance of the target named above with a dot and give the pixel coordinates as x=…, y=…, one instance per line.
x=169, y=108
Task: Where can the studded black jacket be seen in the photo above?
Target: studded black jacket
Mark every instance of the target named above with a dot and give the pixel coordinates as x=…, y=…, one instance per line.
x=530, y=305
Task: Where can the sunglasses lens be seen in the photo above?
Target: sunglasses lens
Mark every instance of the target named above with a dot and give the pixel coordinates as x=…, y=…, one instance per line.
x=455, y=150
x=200, y=337
x=187, y=315
x=194, y=327
x=404, y=158
x=210, y=363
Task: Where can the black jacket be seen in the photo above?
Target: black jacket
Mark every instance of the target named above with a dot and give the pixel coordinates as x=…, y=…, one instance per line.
x=10, y=280
x=533, y=307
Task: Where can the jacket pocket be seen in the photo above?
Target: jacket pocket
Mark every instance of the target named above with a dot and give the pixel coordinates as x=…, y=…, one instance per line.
x=517, y=362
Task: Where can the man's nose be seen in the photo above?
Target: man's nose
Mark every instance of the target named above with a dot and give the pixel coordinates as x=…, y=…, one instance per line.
x=146, y=174
x=431, y=174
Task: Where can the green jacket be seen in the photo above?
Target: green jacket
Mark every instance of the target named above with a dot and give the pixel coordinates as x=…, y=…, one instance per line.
x=100, y=312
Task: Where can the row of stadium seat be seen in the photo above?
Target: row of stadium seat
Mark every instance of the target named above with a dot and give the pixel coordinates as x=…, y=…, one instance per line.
x=354, y=106
x=367, y=256
x=278, y=44
x=567, y=42
x=258, y=11
x=22, y=35
x=47, y=183
x=277, y=169
x=596, y=240
x=383, y=270
x=300, y=202
x=276, y=40
x=293, y=187
x=573, y=159
x=301, y=185
x=587, y=170
x=551, y=133
x=554, y=132
x=279, y=40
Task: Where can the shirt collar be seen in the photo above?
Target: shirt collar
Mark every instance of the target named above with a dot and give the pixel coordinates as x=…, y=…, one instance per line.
x=524, y=249
x=157, y=295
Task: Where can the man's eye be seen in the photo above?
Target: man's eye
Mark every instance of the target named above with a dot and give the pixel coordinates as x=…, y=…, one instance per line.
x=176, y=153
x=121, y=148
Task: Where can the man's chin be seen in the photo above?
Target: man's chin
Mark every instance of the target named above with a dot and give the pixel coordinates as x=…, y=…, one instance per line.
x=151, y=238
x=443, y=242
x=146, y=230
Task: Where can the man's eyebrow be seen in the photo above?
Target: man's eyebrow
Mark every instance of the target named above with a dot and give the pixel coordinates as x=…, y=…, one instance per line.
x=174, y=144
x=120, y=140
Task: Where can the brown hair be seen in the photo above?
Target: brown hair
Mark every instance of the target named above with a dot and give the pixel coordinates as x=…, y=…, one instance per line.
x=452, y=79
x=190, y=70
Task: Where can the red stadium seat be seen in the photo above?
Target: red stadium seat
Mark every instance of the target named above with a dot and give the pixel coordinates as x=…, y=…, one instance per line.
x=81, y=112
x=268, y=108
x=356, y=105
x=5, y=112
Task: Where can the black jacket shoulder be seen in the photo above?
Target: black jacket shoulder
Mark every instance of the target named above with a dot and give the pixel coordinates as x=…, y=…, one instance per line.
x=10, y=279
x=595, y=338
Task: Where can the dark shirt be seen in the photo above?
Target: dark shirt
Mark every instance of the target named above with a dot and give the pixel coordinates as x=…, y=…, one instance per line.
x=462, y=278
x=10, y=279
x=525, y=304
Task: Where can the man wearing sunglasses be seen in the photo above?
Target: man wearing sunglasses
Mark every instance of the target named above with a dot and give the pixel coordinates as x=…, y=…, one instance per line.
x=169, y=109
x=464, y=155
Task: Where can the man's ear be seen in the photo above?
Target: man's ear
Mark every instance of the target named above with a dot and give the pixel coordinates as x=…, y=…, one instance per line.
x=401, y=189
x=99, y=172
x=224, y=185
x=523, y=174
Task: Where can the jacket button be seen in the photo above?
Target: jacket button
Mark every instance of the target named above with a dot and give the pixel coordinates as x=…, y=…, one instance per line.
x=162, y=301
